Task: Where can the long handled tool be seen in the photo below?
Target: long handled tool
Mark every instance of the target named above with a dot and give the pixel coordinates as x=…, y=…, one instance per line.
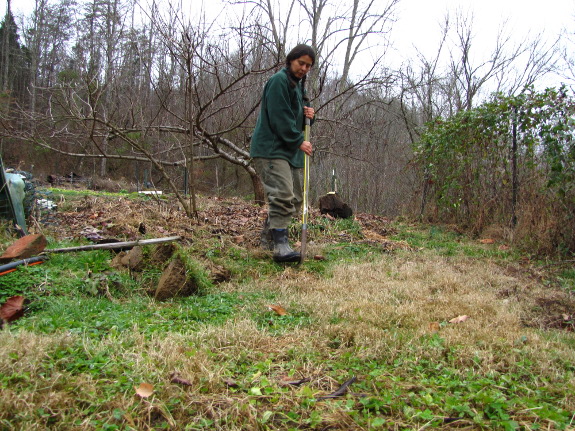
x=305, y=192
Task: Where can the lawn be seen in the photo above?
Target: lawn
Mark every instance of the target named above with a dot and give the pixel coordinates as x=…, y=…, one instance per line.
x=423, y=327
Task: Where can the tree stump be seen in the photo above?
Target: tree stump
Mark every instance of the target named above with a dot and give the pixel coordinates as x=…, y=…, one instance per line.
x=333, y=205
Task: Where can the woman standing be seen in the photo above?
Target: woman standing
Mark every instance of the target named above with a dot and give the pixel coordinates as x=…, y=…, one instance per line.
x=278, y=148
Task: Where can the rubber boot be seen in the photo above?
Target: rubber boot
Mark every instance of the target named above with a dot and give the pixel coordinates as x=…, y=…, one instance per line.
x=282, y=251
x=266, y=239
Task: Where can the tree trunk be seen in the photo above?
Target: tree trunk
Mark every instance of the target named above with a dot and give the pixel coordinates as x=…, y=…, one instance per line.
x=6, y=49
x=259, y=194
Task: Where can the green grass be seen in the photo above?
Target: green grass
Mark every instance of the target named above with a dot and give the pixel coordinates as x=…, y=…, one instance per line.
x=566, y=279
x=98, y=317
x=79, y=194
x=446, y=242
x=92, y=333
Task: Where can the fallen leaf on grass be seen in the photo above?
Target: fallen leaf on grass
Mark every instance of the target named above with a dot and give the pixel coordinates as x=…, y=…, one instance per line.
x=318, y=257
x=144, y=390
x=504, y=247
x=340, y=391
x=240, y=239
x=12, y=308
x=175, y=378
x=287, y=382
x=231, y=383
x=566, y=317
x=434, y=327
x=459, y=319
x=487, y=241
x=278, y=309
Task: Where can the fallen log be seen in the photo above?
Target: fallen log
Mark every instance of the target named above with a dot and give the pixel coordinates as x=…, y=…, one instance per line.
x=112, y=246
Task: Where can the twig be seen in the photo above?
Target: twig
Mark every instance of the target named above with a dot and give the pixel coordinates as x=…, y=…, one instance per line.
x=340, y=391
x=295, y=382
x=563, y=262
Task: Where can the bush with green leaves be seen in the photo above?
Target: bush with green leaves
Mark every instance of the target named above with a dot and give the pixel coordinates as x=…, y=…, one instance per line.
x=510, y=161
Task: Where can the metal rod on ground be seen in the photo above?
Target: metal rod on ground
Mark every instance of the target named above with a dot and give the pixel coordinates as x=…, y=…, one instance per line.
x=305, y=193
x=114, y=245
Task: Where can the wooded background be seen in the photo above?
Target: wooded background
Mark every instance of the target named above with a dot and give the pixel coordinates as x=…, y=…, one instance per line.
x=151, y=97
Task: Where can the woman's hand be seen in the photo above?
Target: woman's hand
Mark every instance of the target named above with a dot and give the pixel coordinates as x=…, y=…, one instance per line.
x=308, y=112
x=306, y=147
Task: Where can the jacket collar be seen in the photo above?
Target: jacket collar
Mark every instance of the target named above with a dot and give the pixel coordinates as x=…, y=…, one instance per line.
x=293, y=80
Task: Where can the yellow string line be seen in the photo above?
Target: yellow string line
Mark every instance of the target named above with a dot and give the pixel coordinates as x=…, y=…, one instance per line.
x=305, y=179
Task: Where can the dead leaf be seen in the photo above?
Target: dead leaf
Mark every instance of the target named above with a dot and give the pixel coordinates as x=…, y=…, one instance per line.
x=340, y=391
x=318, y=257
x=175, y=378
x=487, y=241
x=504, y=247
x=231, y=383
x=459, y=319
x=286, y=381
x=278, y=309
x=144, y=390
x=434, y=327
x=12, y=308
x=566, y=317
x=240, y=239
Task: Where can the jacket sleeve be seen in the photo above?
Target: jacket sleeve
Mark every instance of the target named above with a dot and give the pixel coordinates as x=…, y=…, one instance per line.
x=281, y=117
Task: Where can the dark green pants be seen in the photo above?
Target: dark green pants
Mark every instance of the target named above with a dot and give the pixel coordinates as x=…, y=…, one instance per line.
x=284, y=190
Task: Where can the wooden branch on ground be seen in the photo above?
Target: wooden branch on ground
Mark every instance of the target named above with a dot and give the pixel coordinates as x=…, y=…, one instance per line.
x=112, y=246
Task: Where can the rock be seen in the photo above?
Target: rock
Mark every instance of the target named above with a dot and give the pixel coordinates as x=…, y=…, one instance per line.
x=333, y=205
x=27, y=246
x=174, y=282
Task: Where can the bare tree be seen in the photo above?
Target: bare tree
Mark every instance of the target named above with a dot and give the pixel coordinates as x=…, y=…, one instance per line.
x=508, y=68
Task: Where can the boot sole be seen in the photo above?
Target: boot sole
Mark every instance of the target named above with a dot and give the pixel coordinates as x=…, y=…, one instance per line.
x=287, y=259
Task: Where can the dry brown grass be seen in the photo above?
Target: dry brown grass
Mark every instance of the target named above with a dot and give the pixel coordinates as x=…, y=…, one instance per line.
x=372, y=302
x=378, y=310
x=383, y=312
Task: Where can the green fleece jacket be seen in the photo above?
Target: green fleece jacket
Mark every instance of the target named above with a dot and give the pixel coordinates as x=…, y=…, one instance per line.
x=279, y=128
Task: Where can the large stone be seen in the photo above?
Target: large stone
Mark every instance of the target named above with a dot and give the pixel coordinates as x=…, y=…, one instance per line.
x=174, y=282
x=27, y=246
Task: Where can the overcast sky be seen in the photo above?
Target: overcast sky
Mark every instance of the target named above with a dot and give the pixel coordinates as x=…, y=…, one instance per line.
x=418, y=23
x=416, y=17
x=419, y=20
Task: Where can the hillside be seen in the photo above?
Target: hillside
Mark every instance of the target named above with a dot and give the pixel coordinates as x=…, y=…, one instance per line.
x=386, y=325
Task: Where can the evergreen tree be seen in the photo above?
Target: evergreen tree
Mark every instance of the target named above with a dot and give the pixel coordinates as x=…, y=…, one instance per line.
x=13, y=57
